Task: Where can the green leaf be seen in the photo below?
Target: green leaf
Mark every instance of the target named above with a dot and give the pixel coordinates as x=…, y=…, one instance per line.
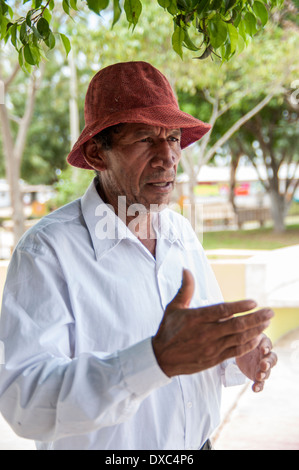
x=37, y=3
x=3, y=8
x=225, y=51
x=172, y=8
x=229, y=4
x=182, y=5
x=164, y=3
x=3, y=26
x=250, y=24
x=50, y=41
x=11, y=13
x=43, y=27
x=29, y=55
x=202, y=7
x=233, y=37
x=28, y=18
x=218, y=33
x=97, y=5
x=73, y=4
x=188, y=42
x=261, y=12
x=206, y=54
x=47, y=15
x=36, y=33
x=116, y=12
x=66, y=43
x=177, y=40
x=23, y=33
x=21, y=58
x=13, y=35
x=133, y=10
x=216, y=4
x=241, y=45
x=187, y=5
x=66, y=6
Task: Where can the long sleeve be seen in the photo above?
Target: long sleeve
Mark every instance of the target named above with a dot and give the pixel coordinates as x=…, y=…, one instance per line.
x=47, y=392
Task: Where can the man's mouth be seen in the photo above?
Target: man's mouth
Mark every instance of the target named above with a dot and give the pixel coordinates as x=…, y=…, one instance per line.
x=163, y=184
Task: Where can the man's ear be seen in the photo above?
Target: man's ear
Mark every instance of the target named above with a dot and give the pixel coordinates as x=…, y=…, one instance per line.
x=94, y=155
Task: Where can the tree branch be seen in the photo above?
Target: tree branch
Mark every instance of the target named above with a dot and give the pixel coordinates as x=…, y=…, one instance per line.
x=12, y=76
x=26, y=119
x=237, y=126
x=289, y=181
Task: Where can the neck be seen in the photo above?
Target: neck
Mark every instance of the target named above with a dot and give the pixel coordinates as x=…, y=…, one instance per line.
x=139, y=223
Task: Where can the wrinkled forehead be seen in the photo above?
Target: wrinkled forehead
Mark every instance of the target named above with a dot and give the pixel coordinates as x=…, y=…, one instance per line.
x=139, y=129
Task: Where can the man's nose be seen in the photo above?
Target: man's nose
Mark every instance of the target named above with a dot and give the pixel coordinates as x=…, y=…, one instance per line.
x=164, y=156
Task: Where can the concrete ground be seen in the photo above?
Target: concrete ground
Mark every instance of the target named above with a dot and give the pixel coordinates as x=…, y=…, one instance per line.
x=269, y=420
x=265, y=421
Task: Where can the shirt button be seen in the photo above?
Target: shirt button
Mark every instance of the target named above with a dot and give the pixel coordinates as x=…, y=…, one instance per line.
x=189, y=404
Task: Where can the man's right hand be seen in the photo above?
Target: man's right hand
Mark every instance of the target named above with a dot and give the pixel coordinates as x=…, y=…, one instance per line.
x=190, y=340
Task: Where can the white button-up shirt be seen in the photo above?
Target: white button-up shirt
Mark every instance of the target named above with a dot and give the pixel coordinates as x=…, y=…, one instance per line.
x=82, y=300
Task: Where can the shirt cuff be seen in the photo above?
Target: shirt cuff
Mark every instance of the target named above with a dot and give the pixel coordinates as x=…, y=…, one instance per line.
x=141, y=371
x=231, y=374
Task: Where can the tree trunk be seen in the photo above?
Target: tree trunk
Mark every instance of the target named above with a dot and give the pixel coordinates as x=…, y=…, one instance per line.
x=232, y=186
x=13, y=177
x=278, y=210
x=13, y=150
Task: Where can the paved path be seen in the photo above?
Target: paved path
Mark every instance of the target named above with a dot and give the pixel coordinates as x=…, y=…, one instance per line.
x=269, y=420
x=265, y=421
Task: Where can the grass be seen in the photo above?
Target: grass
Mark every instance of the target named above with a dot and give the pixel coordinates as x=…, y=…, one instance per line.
x=257, y=239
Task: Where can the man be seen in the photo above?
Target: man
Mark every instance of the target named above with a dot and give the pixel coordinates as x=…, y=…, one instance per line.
x=115, y=333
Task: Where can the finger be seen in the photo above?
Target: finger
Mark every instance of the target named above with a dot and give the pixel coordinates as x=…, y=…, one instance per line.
x=185, y=293
x=225, y=310
x=240, y=350
x=263, y=375
x=242, y=337
x=268, y=362
x=265, y=346
x=265, y=366
x=258, y=386
x=243, y=323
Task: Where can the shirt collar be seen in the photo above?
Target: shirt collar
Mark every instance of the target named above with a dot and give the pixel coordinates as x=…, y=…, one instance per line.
x=107, y=230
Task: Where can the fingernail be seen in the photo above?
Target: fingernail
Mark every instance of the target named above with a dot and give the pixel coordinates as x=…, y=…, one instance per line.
x=263, y=376
x=257, y=389
x=266, y=351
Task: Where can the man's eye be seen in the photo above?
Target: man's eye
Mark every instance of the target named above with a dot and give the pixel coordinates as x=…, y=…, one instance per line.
x=146, y=139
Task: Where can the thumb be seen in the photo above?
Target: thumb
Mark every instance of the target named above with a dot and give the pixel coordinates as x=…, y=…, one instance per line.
x=186, y=291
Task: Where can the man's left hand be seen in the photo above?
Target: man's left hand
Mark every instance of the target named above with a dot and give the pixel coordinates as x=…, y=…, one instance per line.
x=257, y=364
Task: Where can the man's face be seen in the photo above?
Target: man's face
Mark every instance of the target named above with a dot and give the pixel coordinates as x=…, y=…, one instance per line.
x=142, y=165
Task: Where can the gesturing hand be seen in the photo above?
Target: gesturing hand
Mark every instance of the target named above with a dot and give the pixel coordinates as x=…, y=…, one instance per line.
x=190, y=340
x=257, y=364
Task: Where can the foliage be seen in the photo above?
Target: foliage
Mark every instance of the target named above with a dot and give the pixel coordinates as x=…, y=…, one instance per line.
x=208, y=27
x=48, y=140
x=71, y=185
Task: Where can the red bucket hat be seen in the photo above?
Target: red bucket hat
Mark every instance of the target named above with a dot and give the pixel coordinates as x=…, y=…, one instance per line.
x=133, y=92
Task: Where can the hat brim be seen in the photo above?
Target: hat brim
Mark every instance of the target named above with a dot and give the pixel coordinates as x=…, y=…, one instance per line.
x=161, y=116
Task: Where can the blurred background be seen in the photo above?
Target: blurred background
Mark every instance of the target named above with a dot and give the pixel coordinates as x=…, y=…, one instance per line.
x=239, y=185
